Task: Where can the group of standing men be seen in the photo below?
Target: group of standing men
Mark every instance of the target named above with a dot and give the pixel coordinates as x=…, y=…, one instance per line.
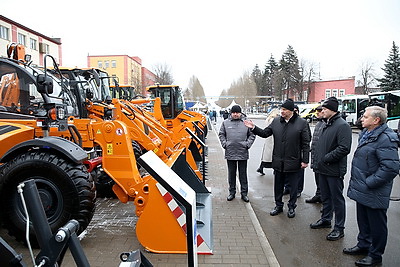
x=374, y=166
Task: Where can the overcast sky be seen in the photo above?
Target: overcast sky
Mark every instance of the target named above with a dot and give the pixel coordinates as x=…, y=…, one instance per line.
x=218, y=40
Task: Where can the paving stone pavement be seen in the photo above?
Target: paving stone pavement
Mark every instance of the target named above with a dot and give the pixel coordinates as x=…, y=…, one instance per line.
x=238, y=238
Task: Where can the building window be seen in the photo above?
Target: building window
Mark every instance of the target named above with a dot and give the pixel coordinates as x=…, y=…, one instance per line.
x=113, y=63
x=44, y=48
x=342, y=92
x=107, y=64
x=21, y=39
x=33, y=44
x=100, y=64
x=327, y=93
x=335, y=92
x=4, y=33
x=305, y=95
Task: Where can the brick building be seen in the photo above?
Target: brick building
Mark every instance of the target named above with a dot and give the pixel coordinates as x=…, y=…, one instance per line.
x=148, y=78
x=320, y=90
x=128, y=70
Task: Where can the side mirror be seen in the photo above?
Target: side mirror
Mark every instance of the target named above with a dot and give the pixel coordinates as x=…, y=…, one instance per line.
x=44, y=84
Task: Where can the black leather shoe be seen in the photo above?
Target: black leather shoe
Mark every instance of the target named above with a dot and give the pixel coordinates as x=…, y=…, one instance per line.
x=230, y=197
x=314, y=199
x=245, y=198
x=260, y=171
x=320, y=224
x=355, y=251
x=335, y=235
x=298, y=194
x=291, y=213
x=276, y=211
x=368, y=261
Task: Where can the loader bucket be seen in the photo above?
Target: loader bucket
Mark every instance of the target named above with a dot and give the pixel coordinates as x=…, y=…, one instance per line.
x=161, y=227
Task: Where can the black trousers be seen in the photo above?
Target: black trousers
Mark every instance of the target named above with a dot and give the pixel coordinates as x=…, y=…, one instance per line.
x=300, y=186
x=318, y=191
x=332, y=200
x=241, y=166
x=292, y=178
x=372, y=224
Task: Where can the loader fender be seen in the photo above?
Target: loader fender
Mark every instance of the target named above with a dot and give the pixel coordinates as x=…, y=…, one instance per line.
x=64, y=147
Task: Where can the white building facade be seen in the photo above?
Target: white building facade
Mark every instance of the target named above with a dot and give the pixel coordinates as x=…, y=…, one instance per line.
x=36, y=44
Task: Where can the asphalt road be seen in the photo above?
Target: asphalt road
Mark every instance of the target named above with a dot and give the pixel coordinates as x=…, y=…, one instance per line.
x=293, y=241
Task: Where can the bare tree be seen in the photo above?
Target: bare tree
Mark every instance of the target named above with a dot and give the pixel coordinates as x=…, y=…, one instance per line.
x=309, y=74
x=163, y=74
x=368, y=78
x=243, y=90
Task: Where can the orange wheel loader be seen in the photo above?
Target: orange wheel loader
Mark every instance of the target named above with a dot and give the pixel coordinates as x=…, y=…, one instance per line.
x=26, y=109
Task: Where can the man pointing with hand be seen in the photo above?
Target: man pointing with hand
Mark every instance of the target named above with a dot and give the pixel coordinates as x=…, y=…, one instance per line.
x=292, y=137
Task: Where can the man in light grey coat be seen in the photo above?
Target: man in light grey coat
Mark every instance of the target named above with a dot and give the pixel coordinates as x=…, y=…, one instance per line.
x=236, y=139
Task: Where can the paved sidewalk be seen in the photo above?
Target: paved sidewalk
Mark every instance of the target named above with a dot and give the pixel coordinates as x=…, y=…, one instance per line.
x=238, y=237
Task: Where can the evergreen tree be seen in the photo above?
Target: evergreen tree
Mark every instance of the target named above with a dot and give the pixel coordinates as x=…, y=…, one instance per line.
x=270, y=77
x=391, y=79
x=289, y=66
x=258, y=79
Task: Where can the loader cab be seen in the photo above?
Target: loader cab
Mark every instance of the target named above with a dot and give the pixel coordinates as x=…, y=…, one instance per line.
x=125, y=92
x=25, y=94
x=172, y=102
x=87, y=84
x=15, y=89
x=104, y=83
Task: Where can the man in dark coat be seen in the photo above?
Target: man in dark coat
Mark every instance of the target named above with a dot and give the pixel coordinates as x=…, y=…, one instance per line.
x=375, y=164
x=236, y=139
x=317, y=130
x=290, y=154
x=330, y=163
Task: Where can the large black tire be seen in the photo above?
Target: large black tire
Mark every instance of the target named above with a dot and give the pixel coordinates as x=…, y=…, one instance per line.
x=104, y=184
x=66, y=189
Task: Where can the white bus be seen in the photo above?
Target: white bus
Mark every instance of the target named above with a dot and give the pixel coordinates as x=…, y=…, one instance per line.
x=391, y=101
x=352, y=106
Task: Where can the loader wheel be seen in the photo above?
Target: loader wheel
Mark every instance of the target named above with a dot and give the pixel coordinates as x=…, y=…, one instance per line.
x=66, y=189
x=137, y=150
x=104, y=185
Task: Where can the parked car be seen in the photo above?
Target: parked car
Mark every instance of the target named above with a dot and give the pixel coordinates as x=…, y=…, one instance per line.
x=308, y=112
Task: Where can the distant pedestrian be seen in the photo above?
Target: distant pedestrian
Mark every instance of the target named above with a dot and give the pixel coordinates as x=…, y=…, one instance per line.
x=330, y=162
x=225, y=115
x=375, y=164
x=317, y=131
x=214, y=115
x=236, y=139
x=290, y=154
x=211, y=115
